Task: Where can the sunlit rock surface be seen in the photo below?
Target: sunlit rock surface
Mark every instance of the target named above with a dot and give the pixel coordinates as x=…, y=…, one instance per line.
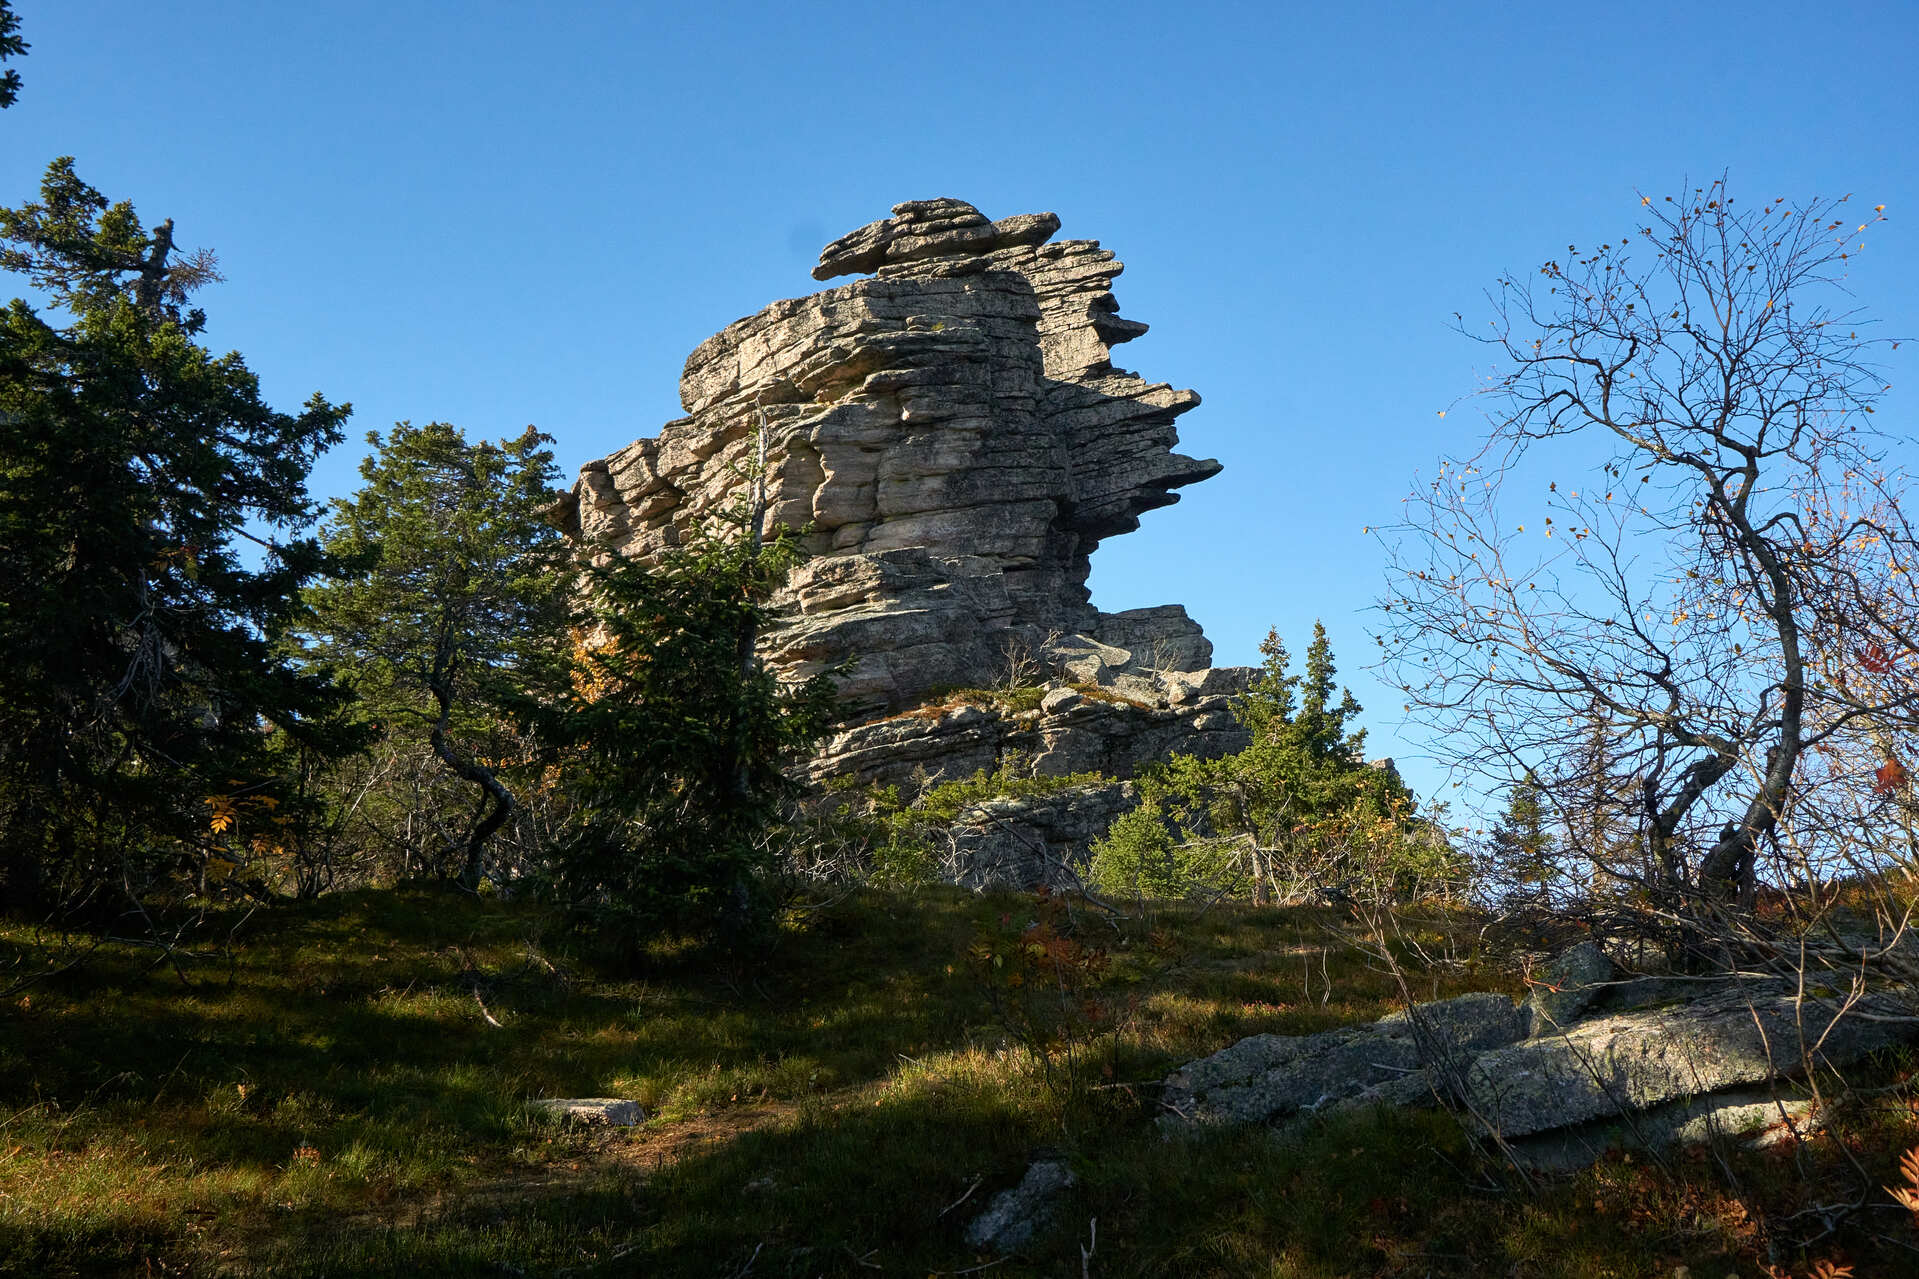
x=953, y=436
x=1724, y=1058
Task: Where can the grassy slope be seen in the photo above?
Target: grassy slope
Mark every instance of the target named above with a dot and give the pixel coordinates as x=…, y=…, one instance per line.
x=328, y=1100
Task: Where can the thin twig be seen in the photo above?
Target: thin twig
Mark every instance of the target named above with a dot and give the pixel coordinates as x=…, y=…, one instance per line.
x=741, y=1272
x=490, y=1020
x=962, y=1199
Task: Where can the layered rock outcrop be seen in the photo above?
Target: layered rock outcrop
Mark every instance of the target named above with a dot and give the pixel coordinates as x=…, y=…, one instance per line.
x=1624, y=1062
x=952, y=436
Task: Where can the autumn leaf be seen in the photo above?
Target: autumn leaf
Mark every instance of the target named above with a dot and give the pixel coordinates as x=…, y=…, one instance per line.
x=224, y=814
x=1908, y=1194
x=1874, y=659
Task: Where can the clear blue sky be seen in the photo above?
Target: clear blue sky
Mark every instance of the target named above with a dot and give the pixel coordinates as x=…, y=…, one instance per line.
x=496, y=214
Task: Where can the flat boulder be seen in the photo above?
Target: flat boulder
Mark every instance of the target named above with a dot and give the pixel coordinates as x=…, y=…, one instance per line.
x=590, y=1112
x=1721, y=1064
x=1755, y=1118
x=1268, y=1078
x=1613, y=1065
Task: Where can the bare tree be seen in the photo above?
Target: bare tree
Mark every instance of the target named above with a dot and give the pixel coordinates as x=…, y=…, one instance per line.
x=1679, y=564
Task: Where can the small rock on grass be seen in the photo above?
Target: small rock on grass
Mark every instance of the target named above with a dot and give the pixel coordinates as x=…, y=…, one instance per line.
x=1016, y=1215
x=591, y=1112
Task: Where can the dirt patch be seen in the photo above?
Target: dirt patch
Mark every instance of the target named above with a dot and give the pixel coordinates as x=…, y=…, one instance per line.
x=589, y=1157
x=655, y=1146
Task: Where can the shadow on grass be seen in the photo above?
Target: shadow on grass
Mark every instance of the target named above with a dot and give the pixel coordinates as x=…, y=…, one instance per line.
x=343, y=1109
x=873, y=1191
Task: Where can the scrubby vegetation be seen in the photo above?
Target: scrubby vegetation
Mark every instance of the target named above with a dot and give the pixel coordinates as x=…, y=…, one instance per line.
x=1299, y=813
x=892, y=836
x=338, y=1089
x=1012, y=698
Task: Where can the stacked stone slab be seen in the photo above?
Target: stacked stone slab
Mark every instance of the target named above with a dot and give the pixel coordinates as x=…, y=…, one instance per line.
x=954, y=438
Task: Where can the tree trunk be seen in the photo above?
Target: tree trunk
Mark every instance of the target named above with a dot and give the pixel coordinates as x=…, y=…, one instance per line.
x=495, y=792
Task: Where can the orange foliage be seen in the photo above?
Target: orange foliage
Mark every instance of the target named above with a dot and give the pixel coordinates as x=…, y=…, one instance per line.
x=1874, y=659
x=1907, y=1196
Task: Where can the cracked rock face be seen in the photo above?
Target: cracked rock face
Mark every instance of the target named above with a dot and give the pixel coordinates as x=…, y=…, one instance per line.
x=954, y=438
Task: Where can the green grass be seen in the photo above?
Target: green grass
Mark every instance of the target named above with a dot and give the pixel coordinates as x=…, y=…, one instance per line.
x=1010, y=700
x=328, y=1099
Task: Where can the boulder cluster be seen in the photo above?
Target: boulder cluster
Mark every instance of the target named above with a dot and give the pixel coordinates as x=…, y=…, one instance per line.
x=1593, y=1060
x=951, y=436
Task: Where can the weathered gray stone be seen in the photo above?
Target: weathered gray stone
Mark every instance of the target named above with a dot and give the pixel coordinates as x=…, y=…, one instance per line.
x=950, y=739
x=590, y=1112
x=1627, y=1062
x=954, y=439
x=1568, y=986
x=964, y=402
x=1061, y=700
x=1024, y=843
x=935, y=743
x=1161, y=639
x=1018, y=1214
x=1267, y=1078
x=892, y=625
x=1750, y=1117
x=1717, y=1066
x=1186, y=687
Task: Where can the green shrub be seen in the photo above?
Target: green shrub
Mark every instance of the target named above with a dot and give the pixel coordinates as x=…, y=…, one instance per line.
x=880, y=835
x=1297, y=811
x=1144, y=855
x=675, y=745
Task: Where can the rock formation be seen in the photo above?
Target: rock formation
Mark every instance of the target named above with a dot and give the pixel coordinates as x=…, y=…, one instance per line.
x=1624, y=1063
x=954, y=439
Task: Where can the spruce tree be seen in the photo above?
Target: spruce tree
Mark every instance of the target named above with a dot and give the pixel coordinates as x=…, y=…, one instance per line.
x=674, y=743
x=1306, y=760
x=1298, y=807
x=1522, y=848
x=11, y=46
x=153, y=519
x=454, y=607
